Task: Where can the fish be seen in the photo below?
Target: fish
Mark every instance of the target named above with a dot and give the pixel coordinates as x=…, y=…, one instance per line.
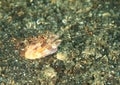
x=42, y=46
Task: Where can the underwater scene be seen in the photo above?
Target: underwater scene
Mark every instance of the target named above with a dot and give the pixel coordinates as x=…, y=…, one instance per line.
x=59, y=42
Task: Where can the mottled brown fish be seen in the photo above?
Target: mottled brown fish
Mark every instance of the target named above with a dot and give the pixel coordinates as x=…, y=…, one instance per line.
x=42, y=46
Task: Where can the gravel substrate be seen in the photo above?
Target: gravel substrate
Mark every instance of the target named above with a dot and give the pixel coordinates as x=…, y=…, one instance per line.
x=88, y=55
